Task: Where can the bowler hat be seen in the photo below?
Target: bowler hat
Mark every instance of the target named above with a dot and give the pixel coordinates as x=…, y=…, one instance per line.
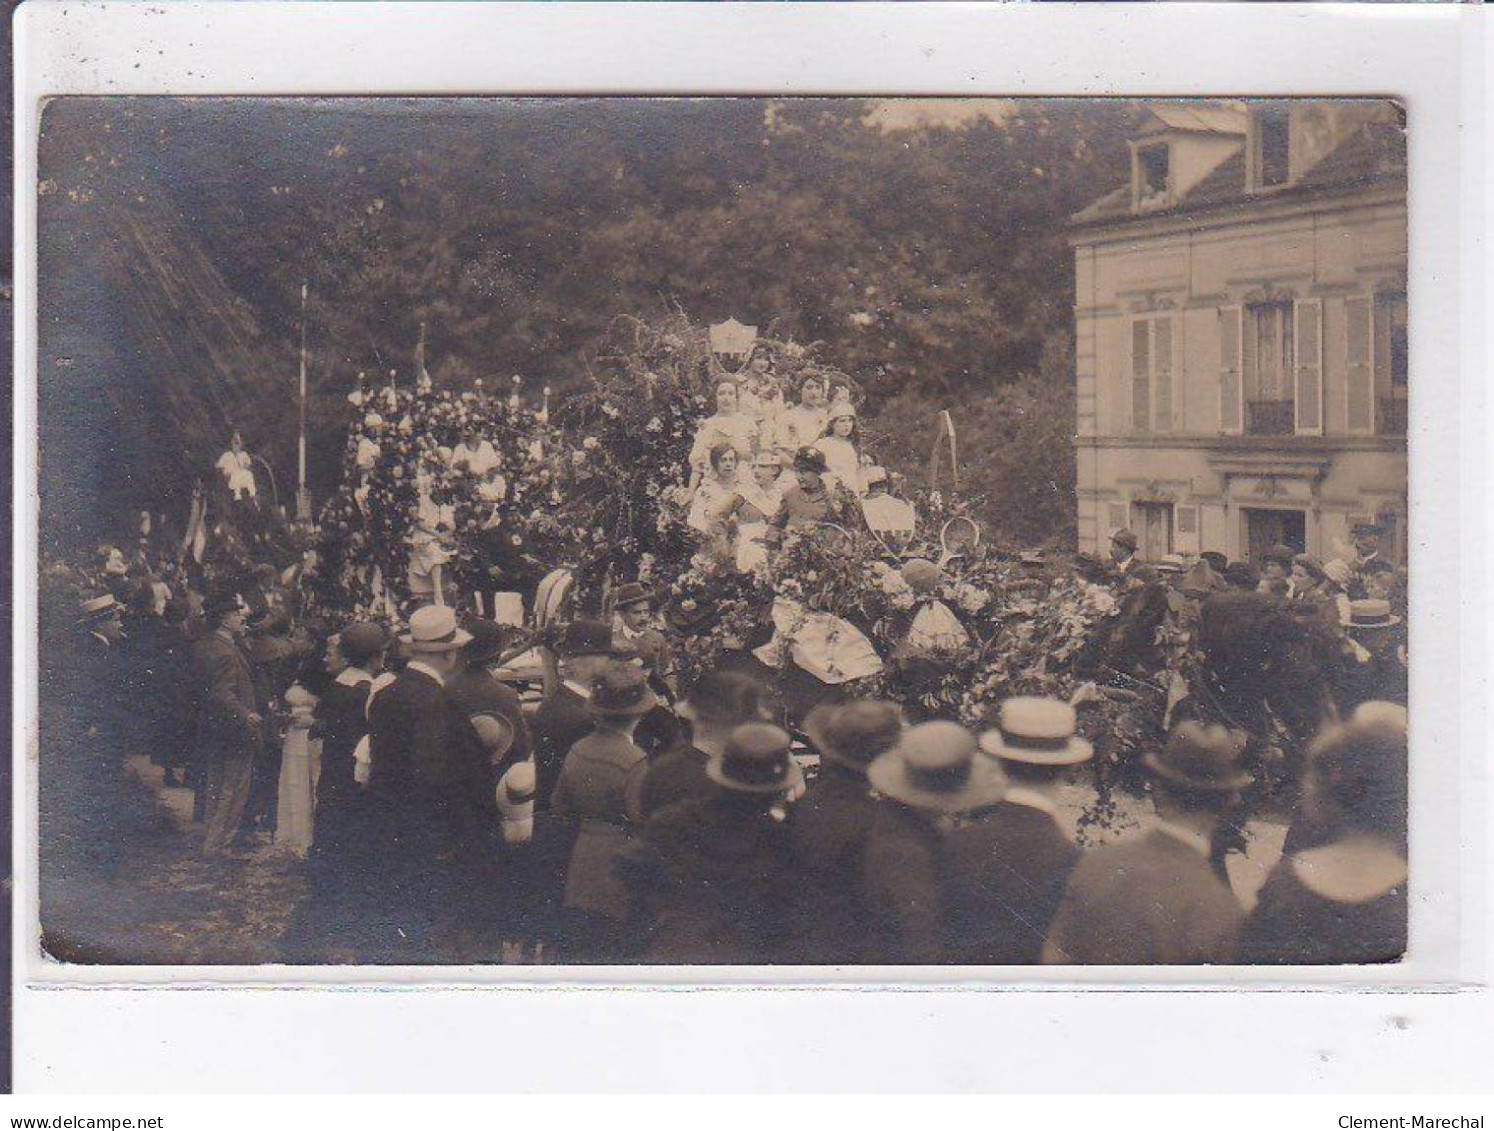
x=1038, y=732
x=1242, y=575
x=1365, y=527
x=757, y=758
x=631, y=593
x=1171, y=563
x=810, y=459
x=1202, y=758
x=361, y=641
x=489, y=640
x=854, y=734
x=587, y=638
x=1125, y=538
x=934, y=768
x=622, y=691
x=433, y=629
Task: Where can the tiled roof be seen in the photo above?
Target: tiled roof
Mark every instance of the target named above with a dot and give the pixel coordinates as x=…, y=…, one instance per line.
x=1375, y=151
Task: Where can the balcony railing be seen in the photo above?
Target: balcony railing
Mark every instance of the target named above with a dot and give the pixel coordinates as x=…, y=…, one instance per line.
x=1270, y=418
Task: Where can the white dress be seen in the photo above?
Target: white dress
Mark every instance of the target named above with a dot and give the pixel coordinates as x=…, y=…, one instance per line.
x=802, y=425
x=738, y=429
x=478, y=461
x=842, y=463
x=752, y=534
x=238, y=470
x=829, y=648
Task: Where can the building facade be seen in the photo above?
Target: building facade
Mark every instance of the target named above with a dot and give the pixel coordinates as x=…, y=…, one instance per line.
x=1240, y=312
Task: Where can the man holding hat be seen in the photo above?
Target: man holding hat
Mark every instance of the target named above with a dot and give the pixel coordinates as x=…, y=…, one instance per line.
x=228, y=719
x=831, y=824
x=1009, y=871
x=935, y=781
x=491, y=707
x=1155, y=899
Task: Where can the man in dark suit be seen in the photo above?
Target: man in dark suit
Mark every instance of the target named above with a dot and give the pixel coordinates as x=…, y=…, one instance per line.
x=228, y=721
x=563, y=719
x=1008, y=871
x=1155, y=899
x=431, y=796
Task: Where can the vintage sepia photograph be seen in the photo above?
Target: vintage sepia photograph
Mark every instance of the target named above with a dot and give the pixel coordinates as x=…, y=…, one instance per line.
x=722, y=531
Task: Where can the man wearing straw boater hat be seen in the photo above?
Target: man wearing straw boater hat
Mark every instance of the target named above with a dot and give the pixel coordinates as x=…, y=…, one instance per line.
x=1155, y=899
x=831, y=825
x=1009, y=871
x=935, y=780
x=1375, y=668
x=724, y=889
x=432, y=795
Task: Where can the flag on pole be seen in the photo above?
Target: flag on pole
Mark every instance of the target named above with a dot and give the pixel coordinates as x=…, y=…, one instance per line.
x=199, y=535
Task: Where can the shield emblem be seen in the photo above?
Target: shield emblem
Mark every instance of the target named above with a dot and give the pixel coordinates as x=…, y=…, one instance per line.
x=732, y=339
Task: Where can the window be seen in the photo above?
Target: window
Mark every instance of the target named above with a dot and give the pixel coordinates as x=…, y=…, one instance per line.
x=1269, y=370
x=1153, y=529
x=1152, y=174
x=1390, y=362
x=1151, y=374
x=1271, y=147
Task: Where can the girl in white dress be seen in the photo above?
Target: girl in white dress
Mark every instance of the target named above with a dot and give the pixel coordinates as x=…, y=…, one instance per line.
x=838, y=446
x=237, y=467
x=729, y=425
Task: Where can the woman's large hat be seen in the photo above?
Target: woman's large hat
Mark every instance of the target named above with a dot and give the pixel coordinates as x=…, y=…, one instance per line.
x=1369, y=615
x=934, y=768
x=810, y=459
x=757, y=758
x=434, y=629
x=854, y=734
x=1205, y=759
x=1037, y=732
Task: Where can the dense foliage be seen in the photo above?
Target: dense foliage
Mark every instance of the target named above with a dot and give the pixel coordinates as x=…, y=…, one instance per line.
x=175, y=235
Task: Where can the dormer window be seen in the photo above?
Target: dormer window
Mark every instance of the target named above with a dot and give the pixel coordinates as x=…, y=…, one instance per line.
x=1269, y=162
x=1152, y=175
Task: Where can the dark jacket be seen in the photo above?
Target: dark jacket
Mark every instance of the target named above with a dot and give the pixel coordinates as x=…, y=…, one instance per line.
x=676, y=775
x=1291, y=924
x=561, y=721
x=599, y=787
x=722, y=890
x=432, y=792
x=1007, y=875
x=342, y=720
x=476, y=692
x=225, y=697
x=830, y=827
x=1149, y=901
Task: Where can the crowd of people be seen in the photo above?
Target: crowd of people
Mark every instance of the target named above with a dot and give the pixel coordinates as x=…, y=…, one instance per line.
x=609, y=814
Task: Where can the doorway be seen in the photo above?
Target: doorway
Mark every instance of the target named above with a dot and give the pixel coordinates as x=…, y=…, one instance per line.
x=1153, y=530
x=1267, y=528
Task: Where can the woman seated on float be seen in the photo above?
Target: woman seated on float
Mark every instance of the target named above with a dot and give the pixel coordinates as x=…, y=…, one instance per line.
x=838, y=446
x=757, y=503
x=730, y=426
x=714, y=501
x=806, y=502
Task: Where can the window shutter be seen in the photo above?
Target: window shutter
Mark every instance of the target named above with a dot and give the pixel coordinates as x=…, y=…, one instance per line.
x=1360, y=378
x=1309, y=351
x=1231, y=339
x=1141, y=376
x=1162, y=374
x=1186, y=518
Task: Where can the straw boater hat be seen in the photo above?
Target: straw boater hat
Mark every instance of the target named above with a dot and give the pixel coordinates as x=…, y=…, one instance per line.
x=96, y=610
x=434, y=629
x=1202, y=758
x=1371, y=615
x=757, y=759
x=856, y=733
x=1037, y=732
x=1172, y=563
x=934, y=768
